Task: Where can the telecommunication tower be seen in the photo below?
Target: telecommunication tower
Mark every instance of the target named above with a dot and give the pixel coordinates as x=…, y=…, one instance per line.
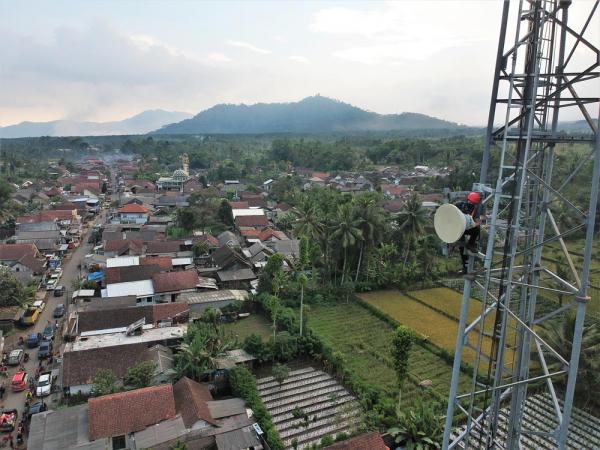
x=546, y=69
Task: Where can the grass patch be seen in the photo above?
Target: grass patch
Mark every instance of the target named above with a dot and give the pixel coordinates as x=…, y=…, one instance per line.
x=245, y=327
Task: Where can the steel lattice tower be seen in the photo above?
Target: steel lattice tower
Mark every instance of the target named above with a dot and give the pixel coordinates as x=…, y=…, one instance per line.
x=547, y=68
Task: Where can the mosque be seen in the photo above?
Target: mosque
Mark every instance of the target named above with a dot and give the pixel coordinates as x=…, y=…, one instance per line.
x=180, y=176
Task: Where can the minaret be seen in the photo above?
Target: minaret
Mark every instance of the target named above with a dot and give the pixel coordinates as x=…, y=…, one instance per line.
x=185, y=161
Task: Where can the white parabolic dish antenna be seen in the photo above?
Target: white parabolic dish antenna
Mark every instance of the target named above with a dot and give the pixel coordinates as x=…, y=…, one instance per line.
x=449, y=223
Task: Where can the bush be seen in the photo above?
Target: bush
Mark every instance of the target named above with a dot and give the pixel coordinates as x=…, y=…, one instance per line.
x=243, y=384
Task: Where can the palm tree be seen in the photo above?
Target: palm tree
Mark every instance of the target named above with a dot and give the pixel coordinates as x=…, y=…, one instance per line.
x=371, y=223
x=347, y=231
x=308, y=221
x=197, y=354
x=411, y=220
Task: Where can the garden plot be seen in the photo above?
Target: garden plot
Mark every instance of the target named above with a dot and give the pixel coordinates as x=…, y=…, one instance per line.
x=309, y=405
x=365, y=341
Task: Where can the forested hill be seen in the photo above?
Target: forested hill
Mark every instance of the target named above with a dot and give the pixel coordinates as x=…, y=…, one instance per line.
x=312, y=115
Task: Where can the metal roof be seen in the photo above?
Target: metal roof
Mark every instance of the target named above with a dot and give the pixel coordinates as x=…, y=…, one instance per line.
x=247, y=212
x=112, y=339
x=123, y=261
x=142, y=288
x=214, y=296
x=226, y=408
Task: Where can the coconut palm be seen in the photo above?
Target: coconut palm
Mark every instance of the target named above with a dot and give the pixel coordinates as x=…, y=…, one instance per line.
x=412, y=220
x=197, y=354
x=346, y=231
x=371, y=224
x=308, y=221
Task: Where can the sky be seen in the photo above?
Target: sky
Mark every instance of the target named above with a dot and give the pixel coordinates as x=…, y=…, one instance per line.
x=108, y=60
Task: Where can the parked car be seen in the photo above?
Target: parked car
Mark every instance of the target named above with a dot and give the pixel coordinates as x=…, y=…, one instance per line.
x=45, y=349
x=30, y=316
x=44, y=386
x=34, y=339
x=8, y=420
x=16, y=357
x=59, y=291
x=19, y=382
x=59, y=311
x=37, y=407
x=39, y=304
x=51, y=284
x=48, y=333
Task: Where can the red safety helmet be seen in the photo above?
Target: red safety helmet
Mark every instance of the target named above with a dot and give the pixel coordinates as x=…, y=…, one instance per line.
x=474, y=197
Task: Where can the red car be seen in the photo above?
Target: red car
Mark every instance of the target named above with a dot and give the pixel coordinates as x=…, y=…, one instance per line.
x=19, y=382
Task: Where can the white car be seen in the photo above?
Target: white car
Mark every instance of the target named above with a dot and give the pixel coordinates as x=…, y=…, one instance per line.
x=44, y=385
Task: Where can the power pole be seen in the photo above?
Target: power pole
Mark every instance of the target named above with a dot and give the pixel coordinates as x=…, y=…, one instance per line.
x=550, y=67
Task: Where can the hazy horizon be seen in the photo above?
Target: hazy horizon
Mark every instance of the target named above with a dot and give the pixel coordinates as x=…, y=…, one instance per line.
x=110, y=60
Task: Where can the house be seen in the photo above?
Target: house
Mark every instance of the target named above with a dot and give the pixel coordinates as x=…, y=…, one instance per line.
x=168, y=286
x=289, y=248
x=169, y=248
x=267, y=185
x=115, y=416
x=45, y=235
x=154, y=417
x=199, y=301
x=112, y=316
x=228, y=238
x=227, y=258
x=133, y=213
x=253, y=221
x=123, y=247
x=24, y=260
x=236, y=278
x=80, y=367
x=191, y=400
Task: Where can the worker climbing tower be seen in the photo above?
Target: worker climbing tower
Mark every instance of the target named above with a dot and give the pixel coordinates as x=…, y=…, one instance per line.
x=541, y=190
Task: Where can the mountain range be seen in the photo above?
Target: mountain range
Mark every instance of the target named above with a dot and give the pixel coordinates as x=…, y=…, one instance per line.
x=315, y=114
x=141, y=123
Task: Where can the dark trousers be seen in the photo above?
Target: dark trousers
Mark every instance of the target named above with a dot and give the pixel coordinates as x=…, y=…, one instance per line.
x=473, y=237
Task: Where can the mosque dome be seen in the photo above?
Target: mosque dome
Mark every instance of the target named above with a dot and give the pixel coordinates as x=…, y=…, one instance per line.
x=180, y=174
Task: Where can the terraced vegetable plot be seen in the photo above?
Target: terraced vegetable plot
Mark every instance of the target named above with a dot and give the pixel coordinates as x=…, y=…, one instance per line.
x=245, y=327
x=365, y=342
x=424, y=320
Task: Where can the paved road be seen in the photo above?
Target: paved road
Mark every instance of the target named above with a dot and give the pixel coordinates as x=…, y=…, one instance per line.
x=70, y=273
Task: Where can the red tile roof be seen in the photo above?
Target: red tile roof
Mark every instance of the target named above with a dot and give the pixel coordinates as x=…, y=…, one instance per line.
x=253, y=233
x=270, y=232
x=251, y=221
x=128, y=412
x=164, y=262
x=167, y=311
x=163, y=247
x=133, y=208
x=238, y=205
x=209, y=239
x=48, y=216
x=175, y=281
x=14, y=252
x=190, y=399
x=367, y=441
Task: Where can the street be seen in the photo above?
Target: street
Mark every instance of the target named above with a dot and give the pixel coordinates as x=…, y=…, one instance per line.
x=71, y=272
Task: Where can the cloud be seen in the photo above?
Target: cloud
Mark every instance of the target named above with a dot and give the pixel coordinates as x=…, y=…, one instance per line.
x=248, y=46
x=396, y=33
x=299, y=59
x=93, y=69
x=218, y=57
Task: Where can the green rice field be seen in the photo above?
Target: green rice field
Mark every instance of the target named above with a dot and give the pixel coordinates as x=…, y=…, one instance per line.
x=365, y=342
